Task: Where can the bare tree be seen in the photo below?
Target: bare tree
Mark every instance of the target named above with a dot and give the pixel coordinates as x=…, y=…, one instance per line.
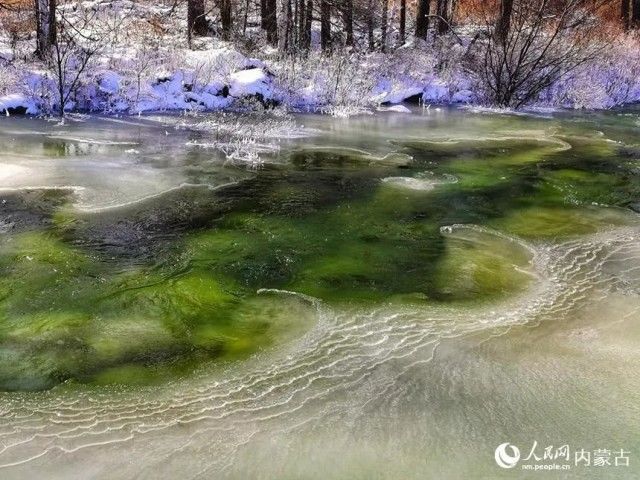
x=543, y=41
x=71, y=52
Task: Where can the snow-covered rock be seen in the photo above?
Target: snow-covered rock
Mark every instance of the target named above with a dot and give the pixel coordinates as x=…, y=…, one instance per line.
x=253, y=81
x=208, y=100
x=17, y=104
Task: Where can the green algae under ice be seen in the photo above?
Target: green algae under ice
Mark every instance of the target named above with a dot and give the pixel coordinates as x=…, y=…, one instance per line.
x=393, y=278
x=145, y=291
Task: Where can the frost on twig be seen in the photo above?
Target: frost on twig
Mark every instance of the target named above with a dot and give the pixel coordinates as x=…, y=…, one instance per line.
x=241, y=150
x=345, y=111
x=246, y=138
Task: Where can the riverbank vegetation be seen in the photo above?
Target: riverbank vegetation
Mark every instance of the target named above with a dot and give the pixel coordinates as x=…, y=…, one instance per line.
x=339, y=57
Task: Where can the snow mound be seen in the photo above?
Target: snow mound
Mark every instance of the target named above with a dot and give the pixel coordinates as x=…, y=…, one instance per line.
x=253, y=81
x=17, y=104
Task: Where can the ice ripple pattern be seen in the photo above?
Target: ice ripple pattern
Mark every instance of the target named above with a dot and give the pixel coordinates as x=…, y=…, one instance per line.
x=335, y=367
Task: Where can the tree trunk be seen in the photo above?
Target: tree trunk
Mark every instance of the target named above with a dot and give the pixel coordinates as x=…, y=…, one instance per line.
x=301, y=23
x=263, y=15
x=325, y=25
x=308, y=21
x=403, y=20
x=504, y=21
x=347, y=18
x=196, y=20
x=630, y=13
x=370, y=25
x=270, y=20
x=60, y=72
x=444, y=10
x=383, y=27
x=285, y=37
x=290, y=26
x=246, y=17
x=226, y=18
x=53, y=26
x=422, y=18
x=45, y=11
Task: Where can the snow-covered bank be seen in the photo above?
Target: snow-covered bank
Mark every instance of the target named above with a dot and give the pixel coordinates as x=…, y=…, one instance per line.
x=222, y=78
x=135, y=70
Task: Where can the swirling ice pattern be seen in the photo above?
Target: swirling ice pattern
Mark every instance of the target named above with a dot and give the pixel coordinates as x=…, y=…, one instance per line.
x=334, y=367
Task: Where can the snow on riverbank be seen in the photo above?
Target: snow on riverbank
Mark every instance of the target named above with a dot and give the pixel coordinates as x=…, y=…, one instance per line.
x=219, y=78
x=198, y=84
x=17, y=103
x=137, y=71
